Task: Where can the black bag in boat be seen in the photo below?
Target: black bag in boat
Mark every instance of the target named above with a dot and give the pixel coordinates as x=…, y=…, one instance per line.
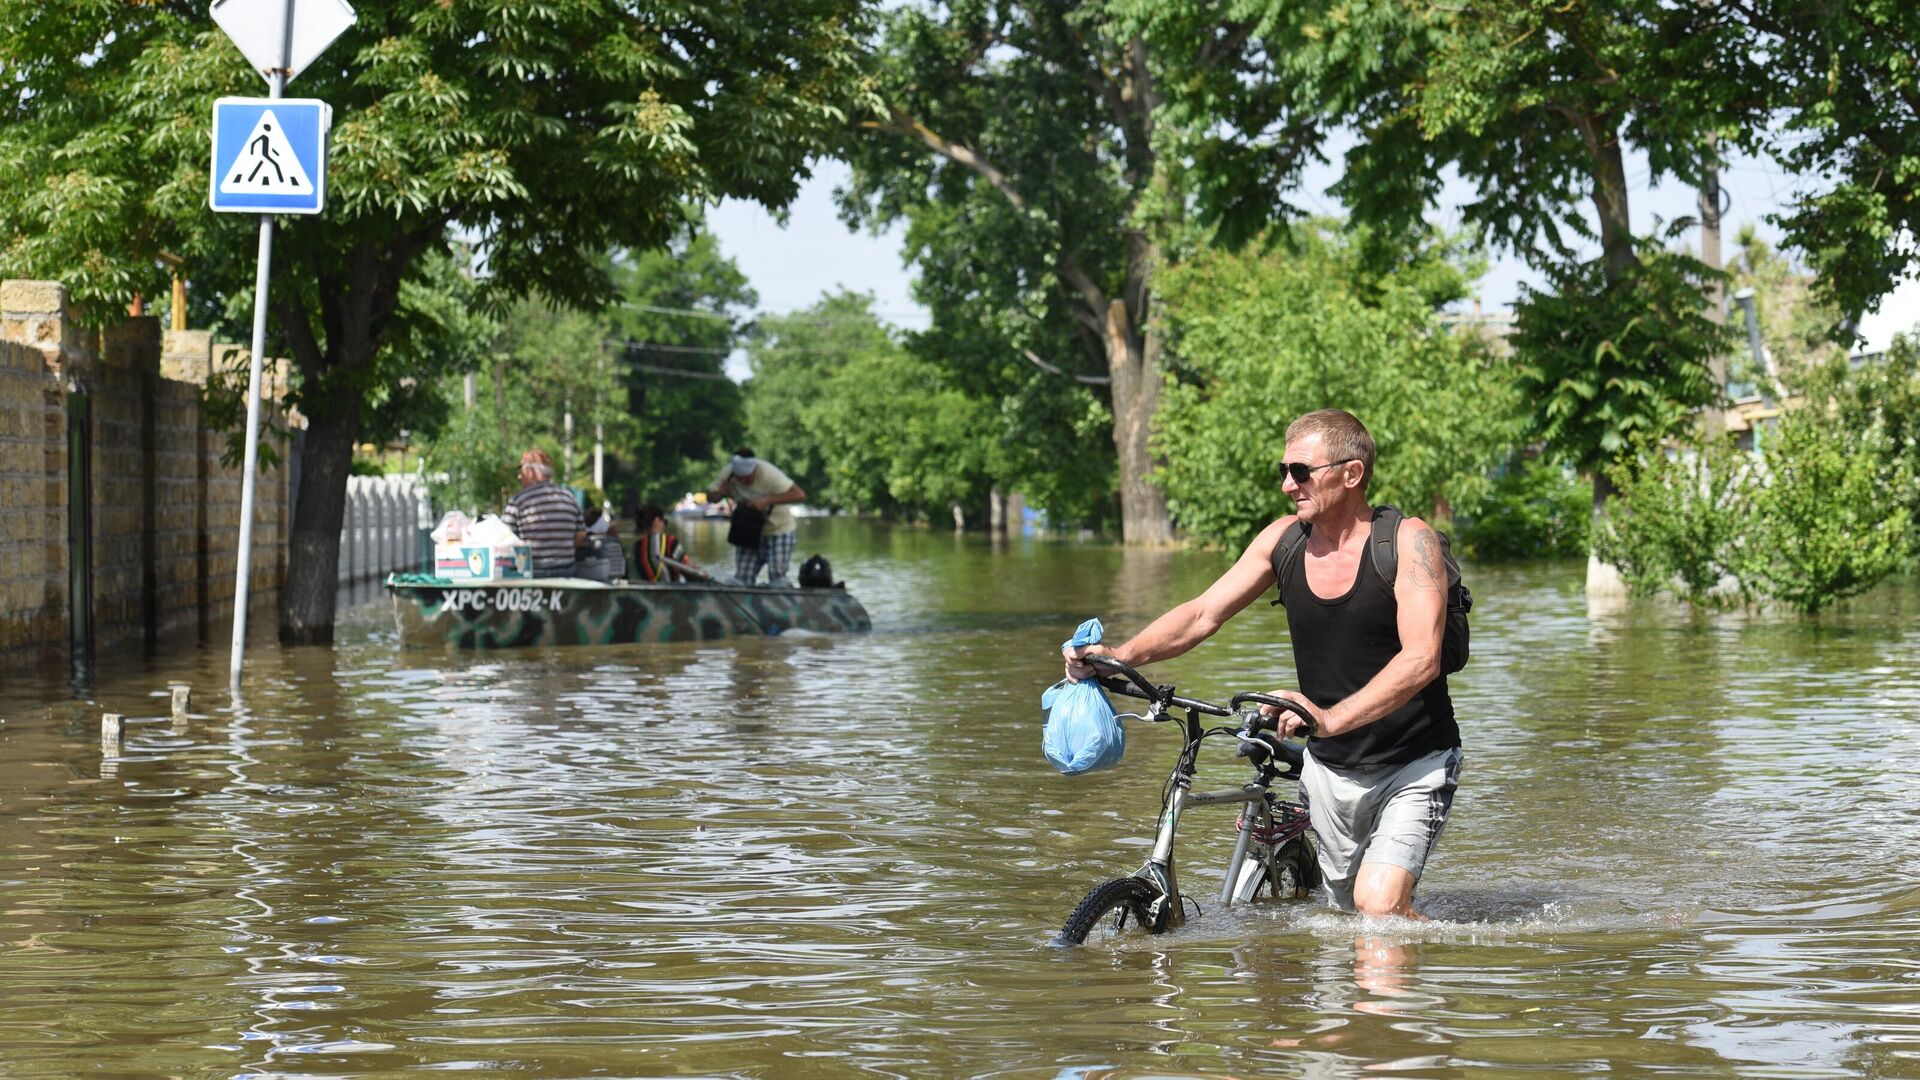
x=816, y=573
x=743, y=531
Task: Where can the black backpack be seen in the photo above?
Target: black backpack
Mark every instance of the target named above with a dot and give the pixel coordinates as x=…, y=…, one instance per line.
x=1383, y=545
x=816, y=573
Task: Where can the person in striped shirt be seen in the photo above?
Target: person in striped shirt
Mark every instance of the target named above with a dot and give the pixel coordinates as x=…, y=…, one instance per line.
x=546, y=516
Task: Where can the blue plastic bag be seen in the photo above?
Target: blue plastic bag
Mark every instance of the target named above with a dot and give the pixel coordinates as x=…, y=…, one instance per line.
x=1082, y=733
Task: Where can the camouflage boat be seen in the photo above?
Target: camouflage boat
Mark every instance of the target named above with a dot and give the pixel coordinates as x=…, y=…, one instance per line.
x=436, y=613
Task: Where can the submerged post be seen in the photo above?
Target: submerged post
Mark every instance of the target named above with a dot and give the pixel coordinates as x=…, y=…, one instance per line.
x=182, y=695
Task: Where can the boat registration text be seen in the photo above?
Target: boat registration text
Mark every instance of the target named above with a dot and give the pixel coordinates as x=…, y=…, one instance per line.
x=458, y=600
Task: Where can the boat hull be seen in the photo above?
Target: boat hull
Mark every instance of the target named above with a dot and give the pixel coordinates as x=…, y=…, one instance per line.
x=512, y=614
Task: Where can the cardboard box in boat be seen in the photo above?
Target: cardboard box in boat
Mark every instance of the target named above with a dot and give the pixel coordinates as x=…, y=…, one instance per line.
x=482, y=562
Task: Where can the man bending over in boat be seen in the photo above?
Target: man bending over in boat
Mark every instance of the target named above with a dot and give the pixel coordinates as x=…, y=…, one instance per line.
x=764, y=491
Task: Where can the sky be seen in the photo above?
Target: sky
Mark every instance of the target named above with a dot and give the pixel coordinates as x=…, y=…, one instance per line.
x=792, y=266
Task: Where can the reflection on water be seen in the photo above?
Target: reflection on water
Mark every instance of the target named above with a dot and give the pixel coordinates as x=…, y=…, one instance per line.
x=1681, y=844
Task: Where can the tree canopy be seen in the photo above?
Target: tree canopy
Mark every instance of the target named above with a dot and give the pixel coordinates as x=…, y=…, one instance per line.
x=1022, y=145
x=1261, y=337
x=838, y=402
x=1841, y=84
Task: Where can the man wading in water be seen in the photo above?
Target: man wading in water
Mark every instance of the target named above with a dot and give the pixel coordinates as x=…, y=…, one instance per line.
x=1384, y=757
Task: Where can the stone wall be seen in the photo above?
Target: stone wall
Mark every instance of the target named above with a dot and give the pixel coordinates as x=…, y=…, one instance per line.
x=164, y=511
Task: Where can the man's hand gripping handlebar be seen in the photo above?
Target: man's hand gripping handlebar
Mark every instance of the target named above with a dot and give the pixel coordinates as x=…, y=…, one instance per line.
x=1260, y=732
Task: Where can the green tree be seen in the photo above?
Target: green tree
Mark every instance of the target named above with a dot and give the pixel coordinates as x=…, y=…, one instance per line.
x=794, y=357
x=1882, y=395
x=1832, y=518
x=681, y=311
x=1606, y=361
x=1843, y=79
x=1018, y=141
x=862, y=423
x=1261, y=337
x=554, y=132
x=645, y=376
x=1537, y=104
x=545, y=363
x=898, y=437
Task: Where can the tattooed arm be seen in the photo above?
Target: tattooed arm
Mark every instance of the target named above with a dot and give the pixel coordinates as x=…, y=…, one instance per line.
x=1420, y=589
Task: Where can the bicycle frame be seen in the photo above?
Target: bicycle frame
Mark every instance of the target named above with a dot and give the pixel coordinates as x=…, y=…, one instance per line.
x=1255, y=794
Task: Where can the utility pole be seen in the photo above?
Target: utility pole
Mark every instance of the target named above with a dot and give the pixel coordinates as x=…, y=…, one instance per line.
x=1710, y=211
x=599, y=429
x=566, y=451
x=500, y=393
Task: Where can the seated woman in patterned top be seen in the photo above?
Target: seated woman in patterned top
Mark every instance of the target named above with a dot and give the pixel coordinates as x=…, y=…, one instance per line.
x=656, y=544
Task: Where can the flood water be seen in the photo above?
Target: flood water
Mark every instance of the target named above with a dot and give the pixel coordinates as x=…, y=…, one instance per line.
x=1681, y=845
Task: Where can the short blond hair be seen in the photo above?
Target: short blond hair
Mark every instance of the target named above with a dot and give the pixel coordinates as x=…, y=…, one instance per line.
x=1344, y=436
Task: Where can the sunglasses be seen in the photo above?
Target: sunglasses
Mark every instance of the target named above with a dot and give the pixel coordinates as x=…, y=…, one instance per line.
x=1303, y=472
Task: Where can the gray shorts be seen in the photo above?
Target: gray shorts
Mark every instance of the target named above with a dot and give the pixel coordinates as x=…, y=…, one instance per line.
x=1392, y=814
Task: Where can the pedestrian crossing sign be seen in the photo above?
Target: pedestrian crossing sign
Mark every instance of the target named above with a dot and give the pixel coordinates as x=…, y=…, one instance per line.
x=269, y=155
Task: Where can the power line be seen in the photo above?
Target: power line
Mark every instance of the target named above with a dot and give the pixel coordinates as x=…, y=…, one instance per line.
x=754, y=316
x=688, y=312
x=708, y=350
x=655, y=370
x=718, y=350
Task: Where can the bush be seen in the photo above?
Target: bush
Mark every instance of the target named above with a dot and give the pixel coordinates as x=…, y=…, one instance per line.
x=1825, y=510
x=1832, y=519
x=1883, y=394
x=1678, y=519
x=1533, y=511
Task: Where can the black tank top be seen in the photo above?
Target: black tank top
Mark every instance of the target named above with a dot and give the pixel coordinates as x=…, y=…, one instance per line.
x=1338, y=647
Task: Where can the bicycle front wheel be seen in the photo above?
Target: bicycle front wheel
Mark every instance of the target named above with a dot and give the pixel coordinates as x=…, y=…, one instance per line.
x=1117, y=900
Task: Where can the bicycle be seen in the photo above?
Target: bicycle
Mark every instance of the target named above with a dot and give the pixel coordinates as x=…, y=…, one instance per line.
x=1273, y=852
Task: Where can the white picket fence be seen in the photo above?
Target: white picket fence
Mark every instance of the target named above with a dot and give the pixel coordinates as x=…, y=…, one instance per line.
x=386, y=516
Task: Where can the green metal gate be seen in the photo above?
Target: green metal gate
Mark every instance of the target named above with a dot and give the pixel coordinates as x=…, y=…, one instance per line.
x=80, y=534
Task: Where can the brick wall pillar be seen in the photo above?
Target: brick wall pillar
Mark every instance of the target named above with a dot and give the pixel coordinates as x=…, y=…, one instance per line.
x=41, y=353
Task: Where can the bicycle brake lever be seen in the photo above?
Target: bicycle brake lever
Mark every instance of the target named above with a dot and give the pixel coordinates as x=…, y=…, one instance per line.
x=1255, y=747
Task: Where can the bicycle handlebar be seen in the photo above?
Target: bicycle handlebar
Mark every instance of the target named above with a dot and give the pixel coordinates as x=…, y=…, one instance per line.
x=1256, y=743
x=1253, y=744
x=1306, y=718
x=1146, y=690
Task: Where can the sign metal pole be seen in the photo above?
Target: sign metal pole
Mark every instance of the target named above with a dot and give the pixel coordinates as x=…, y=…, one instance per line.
x=243, y=564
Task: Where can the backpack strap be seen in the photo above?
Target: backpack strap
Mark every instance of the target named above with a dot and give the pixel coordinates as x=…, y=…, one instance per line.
x=1291, y=541
x=1384, y=544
